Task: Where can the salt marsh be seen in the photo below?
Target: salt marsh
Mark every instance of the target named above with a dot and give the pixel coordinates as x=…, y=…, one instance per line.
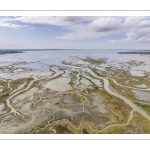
x=70, y=89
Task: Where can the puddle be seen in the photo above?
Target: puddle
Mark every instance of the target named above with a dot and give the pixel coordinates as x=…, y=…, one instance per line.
x=137, y=73
x=142, y=95
x=142, y=86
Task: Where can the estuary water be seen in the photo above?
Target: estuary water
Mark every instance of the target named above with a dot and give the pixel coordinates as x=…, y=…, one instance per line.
x=34, y=62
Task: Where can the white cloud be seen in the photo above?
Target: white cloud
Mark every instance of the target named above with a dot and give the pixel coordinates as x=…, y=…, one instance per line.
x=80, y=31
x=58, y=21
x=145, y=23
x=139, y=33
x=76, y=19
x=105, y=24
x=80, y=34
x=36, y=20
x=99, y=27
x=86, y=27
x=32, y=28
x=133, y=21
x=5, y=23
x=111, y=41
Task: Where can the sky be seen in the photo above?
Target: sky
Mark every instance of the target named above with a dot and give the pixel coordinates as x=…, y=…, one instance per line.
x=74, y=32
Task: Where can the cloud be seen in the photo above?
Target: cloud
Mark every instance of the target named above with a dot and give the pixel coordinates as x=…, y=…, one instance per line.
x=5, y=23
x=75, y=19
x=32, y=28
x=139, y=33
x=80, y=32
x=111, y=41
x=144, y=39
x=53, y=20
x=137, y=29
x=144, y=24
x=102, y=26
x=105, y=24
x=133, y=21
x=99, y=27
x=36, y=20
x=79, y=35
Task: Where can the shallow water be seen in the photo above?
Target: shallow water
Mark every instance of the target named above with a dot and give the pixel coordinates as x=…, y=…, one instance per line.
x=59, y=84
x=46, y=65
x=141, y=95
x=142, y=86
x=137, y=73
x=40, y=61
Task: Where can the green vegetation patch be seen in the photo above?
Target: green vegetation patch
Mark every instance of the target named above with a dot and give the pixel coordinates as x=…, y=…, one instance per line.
x=95, y=61
x=138, y=125
x=144, y=106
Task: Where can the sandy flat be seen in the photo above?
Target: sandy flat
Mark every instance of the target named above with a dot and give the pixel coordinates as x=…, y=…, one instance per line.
x=137, y=73
x=59, y=84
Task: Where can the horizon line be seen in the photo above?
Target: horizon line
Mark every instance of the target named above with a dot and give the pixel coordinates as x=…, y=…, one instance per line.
x=69, y=49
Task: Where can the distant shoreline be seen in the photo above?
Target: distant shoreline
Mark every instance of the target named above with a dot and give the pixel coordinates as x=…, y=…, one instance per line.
x=39, y=49
x=13, y=51
x=145, y=53
x=9, y=52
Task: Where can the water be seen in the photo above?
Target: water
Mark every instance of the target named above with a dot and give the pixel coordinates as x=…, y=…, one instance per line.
x=141, y=95
x=59, y=84
x=38, y=62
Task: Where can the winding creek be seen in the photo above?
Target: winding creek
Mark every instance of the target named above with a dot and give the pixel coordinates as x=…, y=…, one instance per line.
x=13, y=110
x=130, y=103
x=106, y=87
